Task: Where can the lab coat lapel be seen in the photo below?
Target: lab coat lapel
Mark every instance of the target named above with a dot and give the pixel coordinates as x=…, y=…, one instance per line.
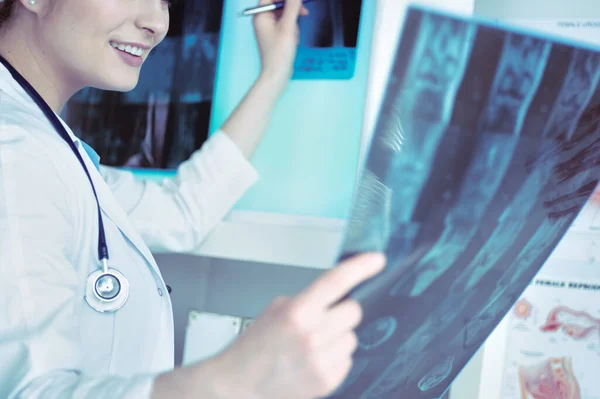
x=113, y=210
x=108, y=203
x=111, y=207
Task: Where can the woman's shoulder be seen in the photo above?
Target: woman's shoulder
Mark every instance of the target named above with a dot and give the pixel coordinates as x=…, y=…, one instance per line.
x=20, y=120
x=30, y=149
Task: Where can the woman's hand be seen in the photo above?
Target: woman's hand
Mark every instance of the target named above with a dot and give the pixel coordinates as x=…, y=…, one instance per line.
x=277, y=35
x=300, y=347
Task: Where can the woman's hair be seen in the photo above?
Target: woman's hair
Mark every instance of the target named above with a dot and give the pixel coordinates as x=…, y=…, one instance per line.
x=6, y=9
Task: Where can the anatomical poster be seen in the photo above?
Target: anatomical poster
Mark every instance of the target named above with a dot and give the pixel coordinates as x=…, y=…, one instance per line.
x=553, y=349
x=486, y=148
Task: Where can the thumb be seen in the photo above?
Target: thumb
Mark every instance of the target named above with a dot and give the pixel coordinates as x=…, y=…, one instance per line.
x=291, y=11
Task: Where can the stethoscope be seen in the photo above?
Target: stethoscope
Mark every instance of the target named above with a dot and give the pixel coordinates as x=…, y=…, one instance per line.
x=106, y=289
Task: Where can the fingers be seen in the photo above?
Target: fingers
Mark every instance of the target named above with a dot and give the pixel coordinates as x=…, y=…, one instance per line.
x=341, y=373
x=340, y=320
x=336, y=362
x=341, y=350
x=291, y=11
x=279, y=302
x=337, y=282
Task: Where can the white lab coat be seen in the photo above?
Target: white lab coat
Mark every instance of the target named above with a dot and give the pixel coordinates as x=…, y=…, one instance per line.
x=52, y=344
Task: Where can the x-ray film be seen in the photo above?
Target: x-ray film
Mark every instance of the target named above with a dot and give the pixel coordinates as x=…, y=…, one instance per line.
x=328, y=39
x=160, y=123
x=486, y=148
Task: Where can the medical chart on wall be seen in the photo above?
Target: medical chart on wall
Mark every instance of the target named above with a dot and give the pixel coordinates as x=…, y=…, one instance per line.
x=581, y=251
x=553, y=348
x=166, y=117
x=485, y=151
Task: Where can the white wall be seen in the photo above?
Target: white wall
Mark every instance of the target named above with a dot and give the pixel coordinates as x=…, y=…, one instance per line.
x=573, y=19
x=537, y=9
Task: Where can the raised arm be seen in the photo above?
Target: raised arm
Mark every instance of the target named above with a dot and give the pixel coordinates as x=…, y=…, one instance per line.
x=277, y=36
x=176, y=215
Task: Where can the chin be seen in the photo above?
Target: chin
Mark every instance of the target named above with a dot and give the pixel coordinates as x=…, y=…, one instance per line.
x=122, y=82
x=124, y=85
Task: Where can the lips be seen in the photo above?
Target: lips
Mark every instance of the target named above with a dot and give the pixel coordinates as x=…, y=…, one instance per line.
x=128, y=48
x=128, y=54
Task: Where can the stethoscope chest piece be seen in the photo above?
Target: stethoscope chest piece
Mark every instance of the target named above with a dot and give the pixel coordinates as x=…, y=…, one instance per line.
x=106, y=290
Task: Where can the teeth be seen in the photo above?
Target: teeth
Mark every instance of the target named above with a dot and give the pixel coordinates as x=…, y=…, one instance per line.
x=128, y=49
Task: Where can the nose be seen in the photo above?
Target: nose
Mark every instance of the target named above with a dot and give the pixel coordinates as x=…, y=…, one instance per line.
x=153, y=18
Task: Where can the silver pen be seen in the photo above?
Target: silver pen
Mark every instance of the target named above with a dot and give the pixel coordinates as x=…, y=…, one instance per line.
x=265, y=8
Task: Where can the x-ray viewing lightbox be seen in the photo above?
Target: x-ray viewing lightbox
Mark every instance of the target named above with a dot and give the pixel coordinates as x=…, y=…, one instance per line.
x=309, y=156
x=193, y=80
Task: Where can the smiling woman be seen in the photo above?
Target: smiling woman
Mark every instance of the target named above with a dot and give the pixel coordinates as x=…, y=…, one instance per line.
x=73, y=40
x=102, y=223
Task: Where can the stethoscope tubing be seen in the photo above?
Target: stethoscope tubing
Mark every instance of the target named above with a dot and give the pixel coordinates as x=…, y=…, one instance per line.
x=105, y=304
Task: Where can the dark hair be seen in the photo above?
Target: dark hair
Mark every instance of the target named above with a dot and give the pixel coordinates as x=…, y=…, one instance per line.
x=7, y=7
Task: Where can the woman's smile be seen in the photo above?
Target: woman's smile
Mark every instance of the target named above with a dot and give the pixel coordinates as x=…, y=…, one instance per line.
x=131, y=53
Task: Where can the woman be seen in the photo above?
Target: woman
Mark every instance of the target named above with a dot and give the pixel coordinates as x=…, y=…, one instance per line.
x=61, y=224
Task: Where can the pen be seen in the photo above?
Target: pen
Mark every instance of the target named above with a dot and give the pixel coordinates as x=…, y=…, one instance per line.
x=265, y=8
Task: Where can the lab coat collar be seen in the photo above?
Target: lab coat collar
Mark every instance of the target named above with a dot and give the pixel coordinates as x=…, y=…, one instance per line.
x=114, y=211
x=13, y=89
x=108, y=203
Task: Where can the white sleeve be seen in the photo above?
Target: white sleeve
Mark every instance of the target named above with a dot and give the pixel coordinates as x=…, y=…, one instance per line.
x=71, y=385
x=177, y=214
x=40, y=298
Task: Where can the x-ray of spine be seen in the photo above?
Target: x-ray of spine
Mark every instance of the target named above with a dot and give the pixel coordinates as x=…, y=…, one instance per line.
x=166, y=117
x=486, y=149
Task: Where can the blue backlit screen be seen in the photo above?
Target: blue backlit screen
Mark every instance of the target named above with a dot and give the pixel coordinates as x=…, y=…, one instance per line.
x=192, y=81
x=309, y=156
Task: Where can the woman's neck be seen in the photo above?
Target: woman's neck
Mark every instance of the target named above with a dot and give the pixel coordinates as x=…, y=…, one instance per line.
x=30, y=61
